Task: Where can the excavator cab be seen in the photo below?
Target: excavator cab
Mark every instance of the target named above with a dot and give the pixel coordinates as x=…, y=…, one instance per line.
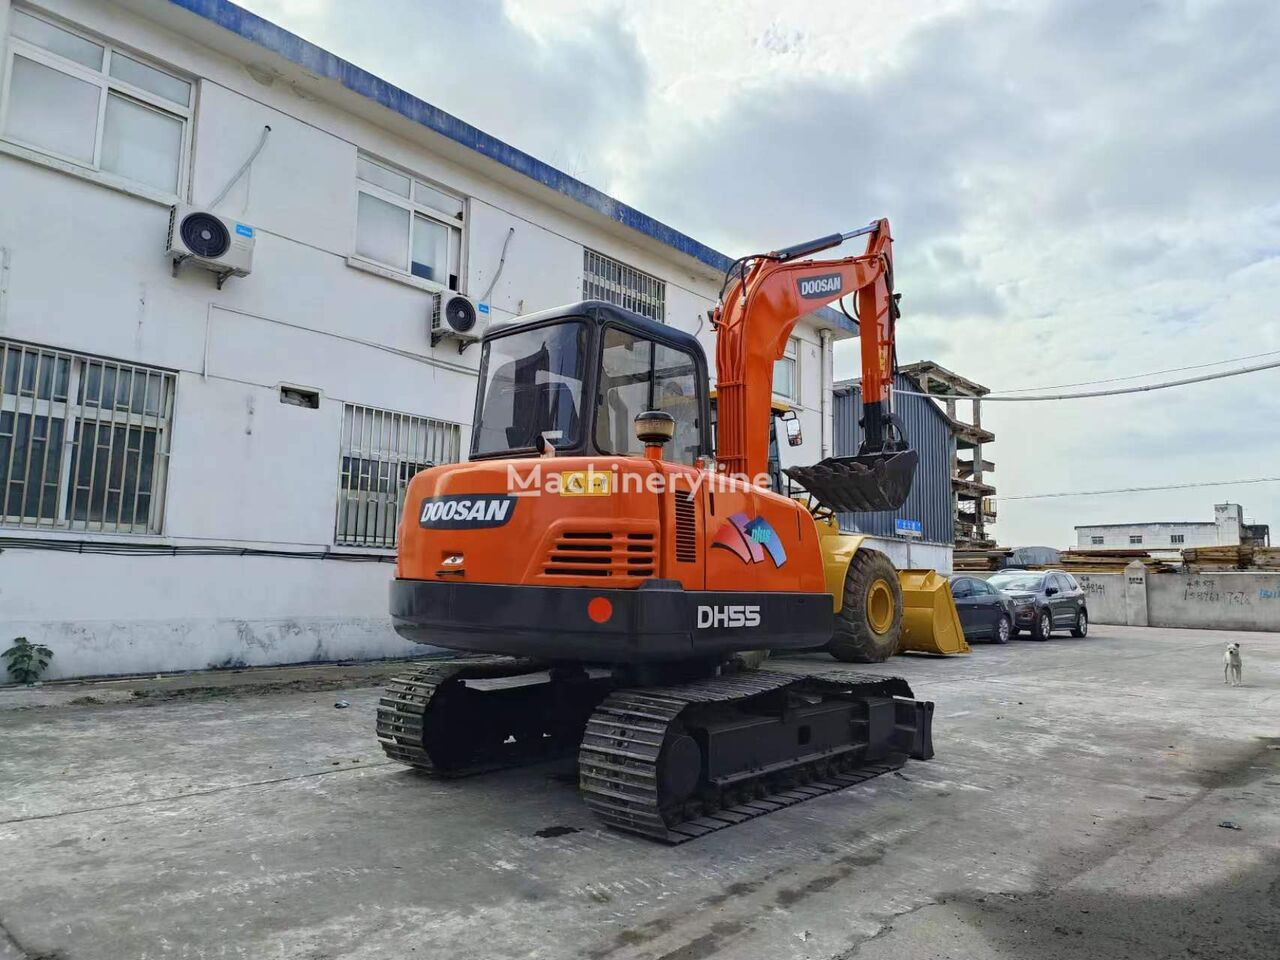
x=572, y=381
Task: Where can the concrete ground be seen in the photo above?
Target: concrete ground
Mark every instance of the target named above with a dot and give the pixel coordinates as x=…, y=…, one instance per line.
x=1074, y=810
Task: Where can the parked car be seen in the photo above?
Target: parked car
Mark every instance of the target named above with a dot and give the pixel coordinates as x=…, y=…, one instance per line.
x=985, y=612
x=1044, y=601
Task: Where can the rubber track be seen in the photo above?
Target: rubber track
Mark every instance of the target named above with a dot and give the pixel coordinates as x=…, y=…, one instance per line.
x=402, y=709
x=617, y=763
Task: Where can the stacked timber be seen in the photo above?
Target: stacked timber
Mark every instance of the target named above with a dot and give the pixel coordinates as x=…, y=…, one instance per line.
x=1110, y=561
x=1266, y=558
x=976, y=561
x=1234, y=557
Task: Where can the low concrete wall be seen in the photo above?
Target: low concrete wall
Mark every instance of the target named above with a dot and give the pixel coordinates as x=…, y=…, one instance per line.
x=1210, y=601
x=1227, y=601
x=1105, y=596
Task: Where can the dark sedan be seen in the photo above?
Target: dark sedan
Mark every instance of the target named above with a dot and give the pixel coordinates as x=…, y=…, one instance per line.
x=985, y=612
x=1044, y=601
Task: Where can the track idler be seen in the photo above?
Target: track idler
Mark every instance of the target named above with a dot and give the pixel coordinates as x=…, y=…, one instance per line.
x=864, y=484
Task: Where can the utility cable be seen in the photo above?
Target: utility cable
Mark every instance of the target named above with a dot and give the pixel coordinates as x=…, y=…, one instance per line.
x=502, y=260
x=266, y=132
x=1139, y=376
x=1166, y=486
x=1097, y=393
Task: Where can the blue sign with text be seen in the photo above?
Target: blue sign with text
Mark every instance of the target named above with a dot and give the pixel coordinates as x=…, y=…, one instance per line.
x=908, y=528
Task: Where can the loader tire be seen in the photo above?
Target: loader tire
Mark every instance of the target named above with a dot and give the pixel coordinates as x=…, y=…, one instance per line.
x=869, y=624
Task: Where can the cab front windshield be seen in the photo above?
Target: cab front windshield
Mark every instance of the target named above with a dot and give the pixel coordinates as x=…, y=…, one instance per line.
x=532, y=384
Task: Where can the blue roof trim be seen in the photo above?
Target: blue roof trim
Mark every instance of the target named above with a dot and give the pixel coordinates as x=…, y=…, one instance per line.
x=322, y=63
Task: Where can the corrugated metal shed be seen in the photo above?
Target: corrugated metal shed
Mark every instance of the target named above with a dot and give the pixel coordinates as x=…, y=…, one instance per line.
x=929, y=434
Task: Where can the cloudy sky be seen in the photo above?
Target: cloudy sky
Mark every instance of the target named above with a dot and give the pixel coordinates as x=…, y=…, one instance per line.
x=1079, y=189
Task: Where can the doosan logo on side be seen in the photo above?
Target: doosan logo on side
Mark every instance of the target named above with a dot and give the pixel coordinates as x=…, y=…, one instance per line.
x=460, y=512
x=828, y=285
x=730, y=615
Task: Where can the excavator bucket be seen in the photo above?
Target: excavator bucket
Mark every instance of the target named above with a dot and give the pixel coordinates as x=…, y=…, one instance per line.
x=864, y=484
x=930, y=623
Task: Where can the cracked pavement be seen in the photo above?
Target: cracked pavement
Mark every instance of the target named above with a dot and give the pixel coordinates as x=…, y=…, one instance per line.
x=1073, y=810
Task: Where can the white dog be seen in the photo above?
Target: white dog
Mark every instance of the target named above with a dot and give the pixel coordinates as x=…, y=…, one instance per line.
x=1231, y=665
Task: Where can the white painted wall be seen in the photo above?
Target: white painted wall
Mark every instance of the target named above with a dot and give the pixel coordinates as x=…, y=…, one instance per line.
x=87, y=273
x=1224, y=530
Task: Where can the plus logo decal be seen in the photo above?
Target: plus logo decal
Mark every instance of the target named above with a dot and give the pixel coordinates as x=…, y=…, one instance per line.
x=749, y=540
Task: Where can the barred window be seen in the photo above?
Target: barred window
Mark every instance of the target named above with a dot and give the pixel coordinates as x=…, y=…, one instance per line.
x=84, y=442
x=604, y=278
x=1177, y=537
x=381, y=451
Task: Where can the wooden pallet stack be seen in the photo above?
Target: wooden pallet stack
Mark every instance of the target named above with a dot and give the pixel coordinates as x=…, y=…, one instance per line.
x=976, y=561
x=1266, y=558
x=1234, y=557
x=1110, y=561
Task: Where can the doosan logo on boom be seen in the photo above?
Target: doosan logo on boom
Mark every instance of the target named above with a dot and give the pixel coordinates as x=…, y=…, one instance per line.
x=827, y=285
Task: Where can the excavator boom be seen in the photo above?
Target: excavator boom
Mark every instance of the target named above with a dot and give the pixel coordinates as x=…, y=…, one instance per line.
x=764, y=296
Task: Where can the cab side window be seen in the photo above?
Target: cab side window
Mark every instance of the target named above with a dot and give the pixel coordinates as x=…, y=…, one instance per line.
x=638, y=375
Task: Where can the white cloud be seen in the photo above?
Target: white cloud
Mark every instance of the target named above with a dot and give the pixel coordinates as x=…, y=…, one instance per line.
x=1079, y=190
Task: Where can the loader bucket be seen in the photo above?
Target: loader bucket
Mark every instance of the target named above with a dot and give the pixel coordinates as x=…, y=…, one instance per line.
x=930, y=623
x=864, y=484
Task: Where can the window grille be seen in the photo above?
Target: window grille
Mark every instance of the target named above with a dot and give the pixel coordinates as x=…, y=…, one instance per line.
x=84, y=442
x=1177, y=537
x=381, y=451
x=604, y=278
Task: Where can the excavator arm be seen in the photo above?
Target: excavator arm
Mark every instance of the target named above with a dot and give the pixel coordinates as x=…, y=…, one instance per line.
x=763, y=298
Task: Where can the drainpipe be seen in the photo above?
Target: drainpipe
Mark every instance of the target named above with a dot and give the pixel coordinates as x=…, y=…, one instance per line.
x=824, y=397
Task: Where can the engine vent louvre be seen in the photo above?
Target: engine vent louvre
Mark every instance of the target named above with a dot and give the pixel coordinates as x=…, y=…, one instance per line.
x=601, y=553
x=686, y=528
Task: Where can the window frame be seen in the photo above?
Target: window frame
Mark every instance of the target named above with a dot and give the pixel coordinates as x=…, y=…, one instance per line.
x=414, y=209
x=1096, y=541
x=791, y=354
x=1135, y=539
x=1177, y=539
x=14, y=46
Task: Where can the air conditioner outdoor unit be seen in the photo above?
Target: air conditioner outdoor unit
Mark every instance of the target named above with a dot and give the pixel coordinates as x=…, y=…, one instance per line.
x=207, y=240
x=459, y=318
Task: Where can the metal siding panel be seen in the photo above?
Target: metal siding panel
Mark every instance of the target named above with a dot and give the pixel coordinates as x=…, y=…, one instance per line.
x=929, y=435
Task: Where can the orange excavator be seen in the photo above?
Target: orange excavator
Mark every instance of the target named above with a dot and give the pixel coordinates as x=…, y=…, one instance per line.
x=601, y=573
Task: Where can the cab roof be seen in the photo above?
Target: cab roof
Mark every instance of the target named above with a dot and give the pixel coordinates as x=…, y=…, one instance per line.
x=600, y=313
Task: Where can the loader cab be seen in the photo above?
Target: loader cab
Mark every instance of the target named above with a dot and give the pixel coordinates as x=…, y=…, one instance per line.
x=577, y=376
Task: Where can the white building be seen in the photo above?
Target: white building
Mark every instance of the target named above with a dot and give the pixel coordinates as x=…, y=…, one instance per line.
x=1227, y=528
x=188, y=474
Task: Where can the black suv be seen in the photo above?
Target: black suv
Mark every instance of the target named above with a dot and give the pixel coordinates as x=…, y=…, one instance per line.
x=1044, y=601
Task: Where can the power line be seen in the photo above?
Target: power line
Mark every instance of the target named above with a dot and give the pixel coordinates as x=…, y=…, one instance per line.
x=1098, y=393
x=1167, y=486
x=1139, y=376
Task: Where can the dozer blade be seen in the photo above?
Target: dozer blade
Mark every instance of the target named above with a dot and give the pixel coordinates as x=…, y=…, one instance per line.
x=865, y=484
x=930, y=622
